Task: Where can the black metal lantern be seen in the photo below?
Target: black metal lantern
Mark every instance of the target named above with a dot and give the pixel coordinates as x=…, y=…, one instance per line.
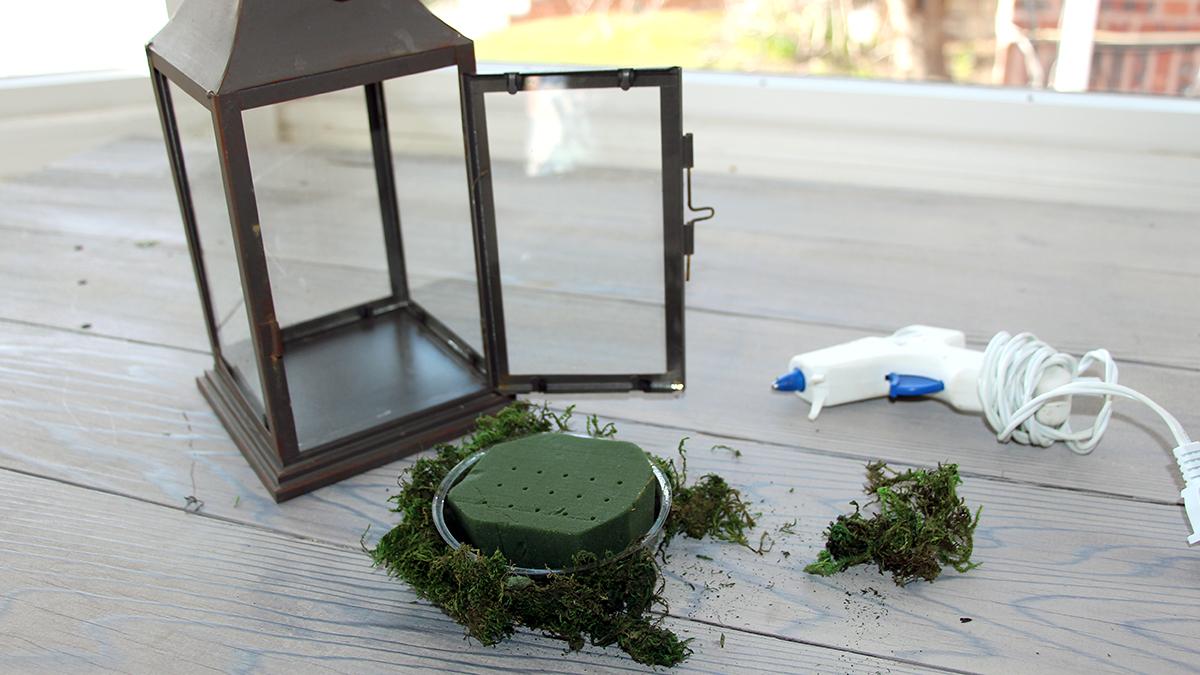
x=315, y=400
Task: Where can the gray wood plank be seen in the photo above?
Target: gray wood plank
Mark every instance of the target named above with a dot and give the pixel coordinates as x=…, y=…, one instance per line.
x=118, y=300
x=129, y=419
x=1088, y=581
x=731, y=362
x=95, y=582
x=1069, y=582
x=105, y=286
x=1072, y=574
x=871, y=259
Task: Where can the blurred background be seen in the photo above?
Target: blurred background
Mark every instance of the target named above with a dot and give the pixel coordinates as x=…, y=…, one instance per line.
x=1127, y=46
x=1069, y=100
x=1137, y=46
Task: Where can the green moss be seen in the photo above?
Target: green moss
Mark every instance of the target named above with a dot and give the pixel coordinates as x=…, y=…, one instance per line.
x=709, y=508
x=607, y=604
x=919, y=526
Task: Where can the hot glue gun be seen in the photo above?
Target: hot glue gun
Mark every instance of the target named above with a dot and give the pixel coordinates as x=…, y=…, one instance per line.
x=914, y=361
x=1022, y=385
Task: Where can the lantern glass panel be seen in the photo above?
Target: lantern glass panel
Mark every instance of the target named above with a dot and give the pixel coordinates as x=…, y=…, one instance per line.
x=358, y=354
x=232, y=322
x=577, y=183
x=318, y=205
x=426, y=132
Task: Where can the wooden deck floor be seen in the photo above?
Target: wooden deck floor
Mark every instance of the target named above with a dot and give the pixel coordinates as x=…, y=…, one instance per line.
x=103, y=437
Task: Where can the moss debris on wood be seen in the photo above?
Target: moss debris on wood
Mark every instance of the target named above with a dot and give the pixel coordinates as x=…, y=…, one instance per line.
x=708, y=508
x=619, y=602
x=918, y=524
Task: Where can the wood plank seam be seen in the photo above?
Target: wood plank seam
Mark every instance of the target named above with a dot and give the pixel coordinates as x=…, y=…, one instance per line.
x=810, y=643
x=105, y=336
x=184, y=508
x=708, y=432
x=767, y=570
x=334, y=545
x=972, y=339
x=779, y=442
x=804, y=449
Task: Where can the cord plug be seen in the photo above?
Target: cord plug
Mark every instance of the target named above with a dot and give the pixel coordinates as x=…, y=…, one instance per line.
x=1188, y=458
x=1191, y=502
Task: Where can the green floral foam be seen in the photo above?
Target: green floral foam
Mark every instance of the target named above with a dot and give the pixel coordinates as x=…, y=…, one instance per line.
x=542, y=499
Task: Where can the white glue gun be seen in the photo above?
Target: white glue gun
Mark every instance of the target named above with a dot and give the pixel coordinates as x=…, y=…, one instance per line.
x=1020, y=384
x=913, y=361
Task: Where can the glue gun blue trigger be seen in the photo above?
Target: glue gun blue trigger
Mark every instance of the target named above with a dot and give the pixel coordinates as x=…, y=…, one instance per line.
x=793, y=381
x=907, y=386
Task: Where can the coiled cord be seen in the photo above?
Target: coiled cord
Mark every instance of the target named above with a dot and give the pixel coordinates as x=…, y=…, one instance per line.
x=1013, y=367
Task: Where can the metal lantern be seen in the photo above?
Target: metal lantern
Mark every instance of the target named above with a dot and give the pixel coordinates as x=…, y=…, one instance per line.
x=317, y=400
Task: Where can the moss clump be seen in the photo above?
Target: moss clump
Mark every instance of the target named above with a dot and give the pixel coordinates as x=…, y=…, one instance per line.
x=920, y=525
x=710, y=508
x=605, y=604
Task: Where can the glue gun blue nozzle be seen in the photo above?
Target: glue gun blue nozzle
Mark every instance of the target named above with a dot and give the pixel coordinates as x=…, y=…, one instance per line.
x=793, y=381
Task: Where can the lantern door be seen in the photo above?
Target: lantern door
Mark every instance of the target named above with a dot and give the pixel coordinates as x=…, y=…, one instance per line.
x=577, y=204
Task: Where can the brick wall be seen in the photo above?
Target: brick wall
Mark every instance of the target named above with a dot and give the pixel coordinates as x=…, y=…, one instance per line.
x=1142, y=46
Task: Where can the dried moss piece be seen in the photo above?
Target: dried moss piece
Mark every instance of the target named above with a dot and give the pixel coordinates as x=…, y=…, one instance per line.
x=919, y=526
x=710, y=508
x=606, y=604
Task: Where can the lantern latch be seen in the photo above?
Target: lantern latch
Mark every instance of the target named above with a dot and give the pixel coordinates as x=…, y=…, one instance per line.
x=689, y=228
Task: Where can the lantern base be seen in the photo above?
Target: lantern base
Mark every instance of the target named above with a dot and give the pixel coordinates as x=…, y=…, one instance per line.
x=337, y=461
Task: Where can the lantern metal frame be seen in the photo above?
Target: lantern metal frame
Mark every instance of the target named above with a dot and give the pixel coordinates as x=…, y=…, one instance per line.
x=235, y=55
x=676, y=147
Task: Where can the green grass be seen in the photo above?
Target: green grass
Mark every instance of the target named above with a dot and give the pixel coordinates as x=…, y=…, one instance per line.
x=663, y=38
x=697, y=40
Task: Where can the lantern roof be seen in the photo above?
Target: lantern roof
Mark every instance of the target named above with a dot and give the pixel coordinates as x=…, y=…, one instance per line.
x=225, y=46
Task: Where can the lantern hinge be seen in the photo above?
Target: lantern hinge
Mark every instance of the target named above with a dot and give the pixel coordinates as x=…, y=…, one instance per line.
x=689, y=227
x=625, y=78
x=514, y=82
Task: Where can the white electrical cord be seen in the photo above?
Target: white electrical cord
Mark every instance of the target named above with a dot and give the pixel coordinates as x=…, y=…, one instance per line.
x=1013, y=368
